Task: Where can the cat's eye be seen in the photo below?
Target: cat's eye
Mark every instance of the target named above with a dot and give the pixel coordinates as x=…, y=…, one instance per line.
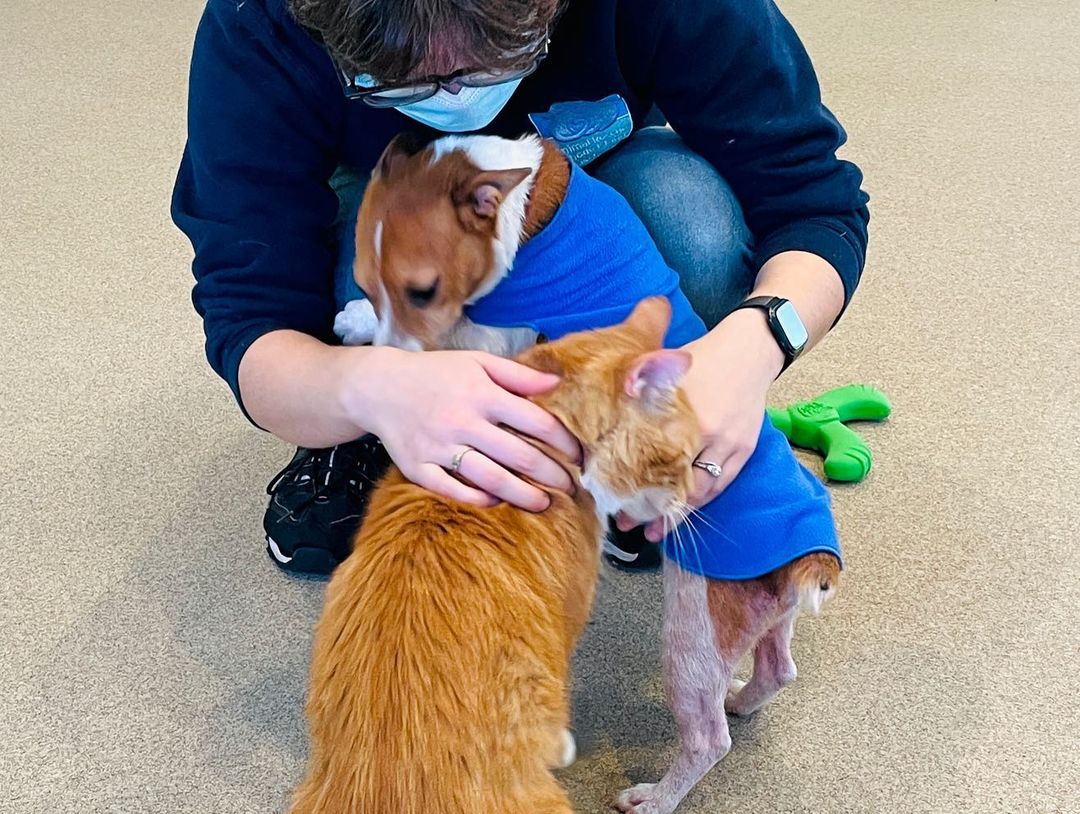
x=422, y=297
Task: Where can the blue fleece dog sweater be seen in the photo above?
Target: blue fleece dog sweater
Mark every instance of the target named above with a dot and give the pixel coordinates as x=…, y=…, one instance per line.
x=587, y=269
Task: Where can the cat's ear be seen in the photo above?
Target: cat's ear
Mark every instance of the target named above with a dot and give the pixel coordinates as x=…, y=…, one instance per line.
x=403, y=145
x=484, y=192
x=654, y=377
x=650, y=318
x=541, y=357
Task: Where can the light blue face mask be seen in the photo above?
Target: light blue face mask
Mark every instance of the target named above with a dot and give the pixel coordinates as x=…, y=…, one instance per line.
x=462, y=112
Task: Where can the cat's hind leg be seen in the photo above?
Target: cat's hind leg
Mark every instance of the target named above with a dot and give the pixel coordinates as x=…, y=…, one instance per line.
x=801, y=586
x=774, y=669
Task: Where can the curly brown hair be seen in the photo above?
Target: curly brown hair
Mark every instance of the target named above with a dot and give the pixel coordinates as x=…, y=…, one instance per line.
x=389, y=39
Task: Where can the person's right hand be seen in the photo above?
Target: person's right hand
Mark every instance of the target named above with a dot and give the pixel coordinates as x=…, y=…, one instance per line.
x=429, y=407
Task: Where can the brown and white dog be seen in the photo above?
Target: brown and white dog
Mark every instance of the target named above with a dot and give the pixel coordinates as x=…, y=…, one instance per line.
x=438, y=228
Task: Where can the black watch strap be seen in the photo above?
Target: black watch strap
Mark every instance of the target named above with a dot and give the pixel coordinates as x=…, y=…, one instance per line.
x=770, y=305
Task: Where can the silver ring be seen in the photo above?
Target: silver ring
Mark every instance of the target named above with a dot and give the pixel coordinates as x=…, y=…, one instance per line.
x=713, y=469
x=455, y=463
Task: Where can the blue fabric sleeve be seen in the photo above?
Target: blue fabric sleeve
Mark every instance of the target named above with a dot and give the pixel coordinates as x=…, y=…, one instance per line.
x=733, y=79
x=252, y=191
x=773, y=513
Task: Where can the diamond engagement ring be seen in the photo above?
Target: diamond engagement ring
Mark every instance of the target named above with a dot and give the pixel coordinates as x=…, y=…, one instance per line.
x=455, y=463
x=713, y=469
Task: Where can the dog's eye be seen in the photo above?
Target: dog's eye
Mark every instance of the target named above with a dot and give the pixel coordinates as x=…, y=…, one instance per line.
x=422, y=297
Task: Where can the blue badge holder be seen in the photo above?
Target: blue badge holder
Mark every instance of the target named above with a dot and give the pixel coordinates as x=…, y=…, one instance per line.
x=585, y=130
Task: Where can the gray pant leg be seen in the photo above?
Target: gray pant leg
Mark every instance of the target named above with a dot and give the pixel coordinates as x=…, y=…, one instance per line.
x=691, y=213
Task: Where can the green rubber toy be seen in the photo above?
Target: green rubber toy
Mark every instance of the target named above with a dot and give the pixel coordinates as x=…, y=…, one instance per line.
x=819, y=425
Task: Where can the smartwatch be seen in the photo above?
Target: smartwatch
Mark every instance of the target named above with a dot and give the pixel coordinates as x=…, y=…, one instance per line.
x=784, y=322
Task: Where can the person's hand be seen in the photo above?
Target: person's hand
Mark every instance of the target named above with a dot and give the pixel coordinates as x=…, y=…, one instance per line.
x=428, y=408
x=727, y=385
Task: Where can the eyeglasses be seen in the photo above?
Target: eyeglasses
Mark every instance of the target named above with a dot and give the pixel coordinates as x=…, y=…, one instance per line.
x=363, y=87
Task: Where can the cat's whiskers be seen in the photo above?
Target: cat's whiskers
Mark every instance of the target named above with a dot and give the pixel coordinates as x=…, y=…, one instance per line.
x=696, y=536
x=678, y=517
x=697, y=514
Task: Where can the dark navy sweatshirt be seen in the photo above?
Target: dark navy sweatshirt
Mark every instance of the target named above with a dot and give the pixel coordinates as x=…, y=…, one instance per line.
x=268, y=124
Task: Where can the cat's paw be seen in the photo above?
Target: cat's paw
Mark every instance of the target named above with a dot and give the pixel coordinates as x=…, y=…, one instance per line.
x=731, y=703
x=641, y=799
x=356, y=323
x=569, y=750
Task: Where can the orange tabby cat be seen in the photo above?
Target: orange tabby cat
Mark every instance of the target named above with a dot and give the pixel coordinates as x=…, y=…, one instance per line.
x=439, y=682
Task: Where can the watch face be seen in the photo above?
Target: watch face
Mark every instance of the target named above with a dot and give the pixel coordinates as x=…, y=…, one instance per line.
x=792, y=326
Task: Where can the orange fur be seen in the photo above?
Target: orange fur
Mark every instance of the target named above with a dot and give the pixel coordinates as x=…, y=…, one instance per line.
x=440, y=668
x=632, y=445
x=439, y=680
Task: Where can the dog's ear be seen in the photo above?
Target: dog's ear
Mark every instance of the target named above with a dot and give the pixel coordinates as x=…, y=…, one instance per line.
x=479, y=197
x=404, y=145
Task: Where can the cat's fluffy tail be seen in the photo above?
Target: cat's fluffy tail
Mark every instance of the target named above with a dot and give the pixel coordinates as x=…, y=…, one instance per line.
x=814, y=578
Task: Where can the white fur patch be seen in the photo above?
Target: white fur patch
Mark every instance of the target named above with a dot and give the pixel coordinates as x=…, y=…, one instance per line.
x=386, y=332
x=607, y=502
x=812, y=598
x=644, y=506
x=384, y=327
x=494, y=153
x=505, y=342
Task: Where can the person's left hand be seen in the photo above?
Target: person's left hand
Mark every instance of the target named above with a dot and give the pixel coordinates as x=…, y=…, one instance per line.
x=727, y=384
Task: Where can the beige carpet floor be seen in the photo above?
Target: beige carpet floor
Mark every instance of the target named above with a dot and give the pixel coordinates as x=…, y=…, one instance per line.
x=151, y=659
